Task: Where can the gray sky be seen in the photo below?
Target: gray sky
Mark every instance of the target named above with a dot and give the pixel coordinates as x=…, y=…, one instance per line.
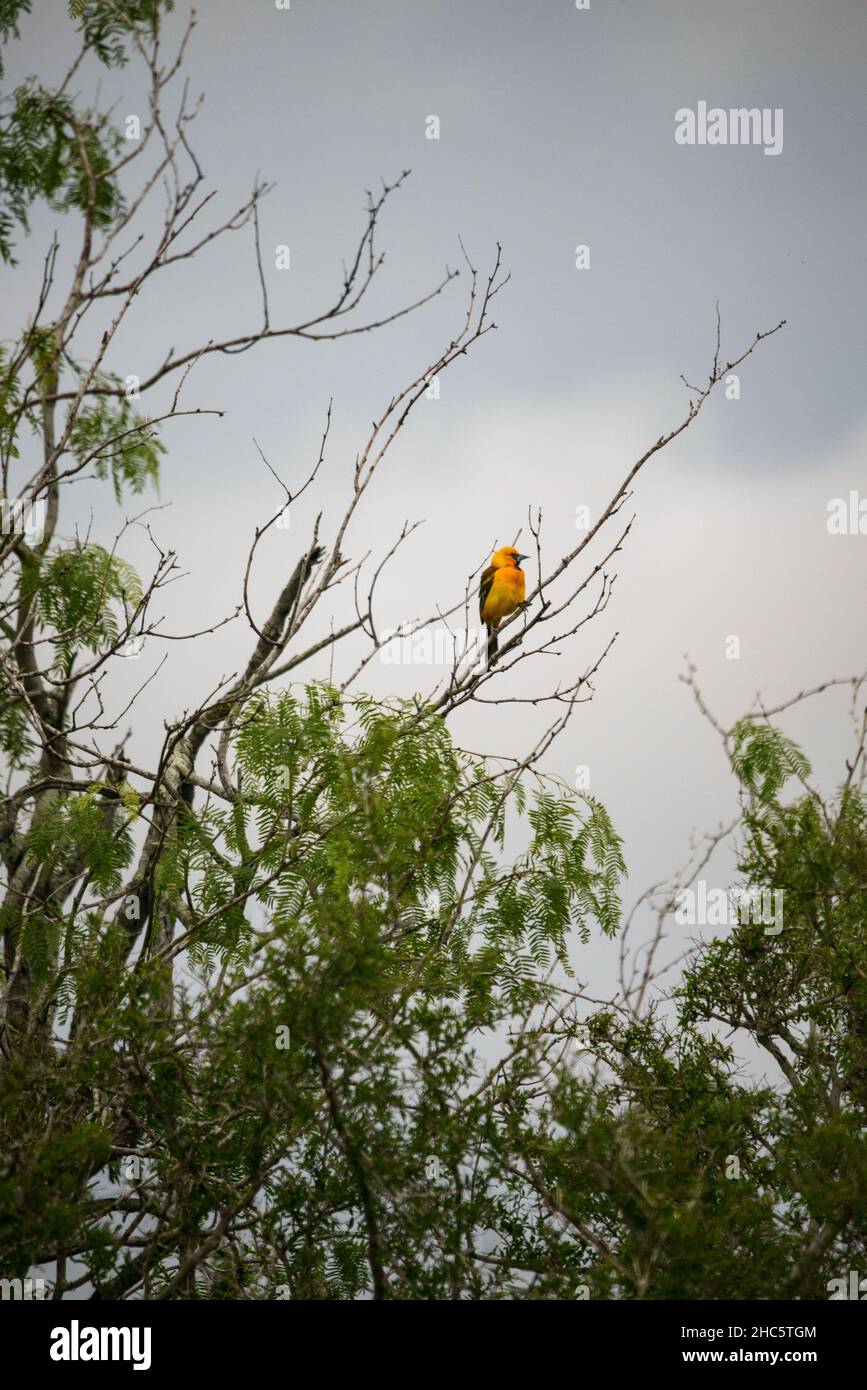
x=556, y=129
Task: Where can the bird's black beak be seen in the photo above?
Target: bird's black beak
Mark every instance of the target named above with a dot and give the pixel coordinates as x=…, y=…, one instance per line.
x=519, y=558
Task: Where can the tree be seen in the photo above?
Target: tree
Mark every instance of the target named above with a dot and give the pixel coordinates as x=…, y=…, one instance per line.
x=668, y=1172
x=245, y=985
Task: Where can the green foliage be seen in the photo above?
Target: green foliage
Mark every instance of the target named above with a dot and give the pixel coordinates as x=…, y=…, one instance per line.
x=52, y=151
x=764, y=759
x=10, y=13
x=83, y=593
x=649, y=1156
x=117, y=439
x=38, y=1160
x=14, y=734
x=354, y=883
x=107, y=28
x=80, y=823
x=394, y=847
x=8, y=404
x=365, y=940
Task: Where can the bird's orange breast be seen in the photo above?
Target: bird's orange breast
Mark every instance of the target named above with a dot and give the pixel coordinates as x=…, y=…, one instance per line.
x=507, y=592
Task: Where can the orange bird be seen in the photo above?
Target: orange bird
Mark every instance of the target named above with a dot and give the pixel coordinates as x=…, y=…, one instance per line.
x=501, y=591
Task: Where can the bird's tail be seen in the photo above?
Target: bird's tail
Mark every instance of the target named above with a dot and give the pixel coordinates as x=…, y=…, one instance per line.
x=493, y=645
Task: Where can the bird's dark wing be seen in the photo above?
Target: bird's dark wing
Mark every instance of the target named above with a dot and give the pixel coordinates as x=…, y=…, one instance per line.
x=485, y=587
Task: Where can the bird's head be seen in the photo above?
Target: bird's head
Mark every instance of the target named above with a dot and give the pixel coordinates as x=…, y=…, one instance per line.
x=507, y=558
